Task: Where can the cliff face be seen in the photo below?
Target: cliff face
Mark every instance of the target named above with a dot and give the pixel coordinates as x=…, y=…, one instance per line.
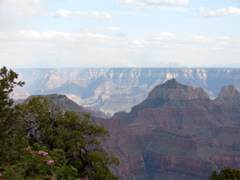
x=118, y=89
x=178, y=132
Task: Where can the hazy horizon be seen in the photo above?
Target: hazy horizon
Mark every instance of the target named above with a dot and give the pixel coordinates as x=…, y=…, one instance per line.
x=119, y=33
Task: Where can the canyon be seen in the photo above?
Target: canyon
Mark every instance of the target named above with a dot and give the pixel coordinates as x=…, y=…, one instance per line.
x=176, y=132
x=112, y=90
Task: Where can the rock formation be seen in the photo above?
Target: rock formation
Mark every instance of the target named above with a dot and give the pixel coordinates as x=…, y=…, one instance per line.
x=178, y=132
x=118, y=89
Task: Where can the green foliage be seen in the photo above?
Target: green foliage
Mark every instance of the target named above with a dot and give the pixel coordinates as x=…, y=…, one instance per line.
x=71, y=133
x=70, y=141
x=38, y=165
x=226, y=173
x=7, y=84
x=12, y=142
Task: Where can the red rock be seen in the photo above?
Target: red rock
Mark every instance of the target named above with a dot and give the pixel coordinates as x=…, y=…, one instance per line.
x=177, y=133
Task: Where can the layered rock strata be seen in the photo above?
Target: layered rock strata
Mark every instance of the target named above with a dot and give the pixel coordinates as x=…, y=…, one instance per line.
x=177, y=132
x=118, y=89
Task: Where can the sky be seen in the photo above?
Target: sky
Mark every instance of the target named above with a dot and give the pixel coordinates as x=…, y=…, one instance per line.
x=119, y=33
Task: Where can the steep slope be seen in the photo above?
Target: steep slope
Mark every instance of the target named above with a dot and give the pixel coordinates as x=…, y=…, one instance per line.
x=178, y=132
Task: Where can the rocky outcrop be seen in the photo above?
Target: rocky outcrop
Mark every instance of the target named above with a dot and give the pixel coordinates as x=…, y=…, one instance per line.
x=172, y=90
x=228, y=91
x=62, y=102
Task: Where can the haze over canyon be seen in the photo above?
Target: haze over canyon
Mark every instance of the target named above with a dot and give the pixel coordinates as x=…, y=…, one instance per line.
x=118, y=89
x=177, y=132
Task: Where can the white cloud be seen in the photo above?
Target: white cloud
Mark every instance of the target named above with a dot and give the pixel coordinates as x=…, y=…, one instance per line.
x=168, y=1
x=26, y=47
x=166, y=5
x=113, y=29
x=219, y=12
x=159, y=2
x=163, y=38
x=223, y=38
x=215, y=26
x=13, y=13
x=102, y=29
x=20, y=9
x=190, y=42
x=54, y=37
x=95, y=14
x=21, y=1
x=62, y=13
x=159, y=40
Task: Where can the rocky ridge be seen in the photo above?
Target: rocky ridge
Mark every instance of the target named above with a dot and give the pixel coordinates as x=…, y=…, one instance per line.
x=118, y=89
x=178, y=132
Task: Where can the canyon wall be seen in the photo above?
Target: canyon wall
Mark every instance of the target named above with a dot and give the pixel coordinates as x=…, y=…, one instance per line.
x=118, y=89
x=177, y=132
